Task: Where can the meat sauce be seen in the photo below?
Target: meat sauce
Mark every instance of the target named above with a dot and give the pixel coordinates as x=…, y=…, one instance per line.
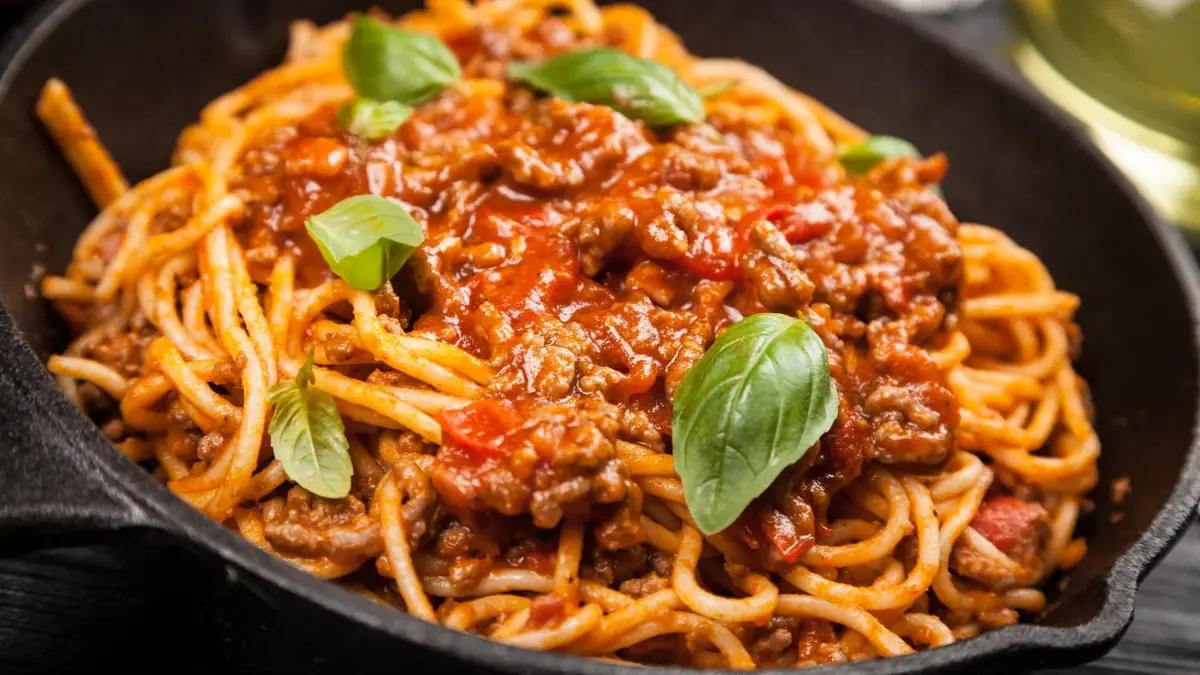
x=593, y=260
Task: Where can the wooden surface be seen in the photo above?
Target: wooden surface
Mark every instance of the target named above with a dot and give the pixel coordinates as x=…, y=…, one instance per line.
x=77, y=610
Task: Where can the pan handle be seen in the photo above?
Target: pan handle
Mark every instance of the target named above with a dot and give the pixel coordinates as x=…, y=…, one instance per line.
x=57, y=486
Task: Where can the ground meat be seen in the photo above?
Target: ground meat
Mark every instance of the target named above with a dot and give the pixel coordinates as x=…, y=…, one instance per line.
x=466, y=555
x=662, y=231
x=613, y=567
x=448, y=140
x=558, y=461
x=484, y=52
x=773, y=639
x=895, y=175
x=546, y=360
x=699, y=159
x=339, y=348
x=453, y=540
x=566, y=144
x=601, y=231
x=418, y=499
x=122, y=352
x=1018, y=530
x=643, y=586
x=209, y=447
x=387, y=303
x=651, y=279
x=492, y=325
x=906, y=429
x=555, y=371
x=661, y=649
x=623, y=528
x=686, y=169
x=392, y=378
x=637, y=426
x=991, y=619
x=177, y=414
x=662, y=563
x=708, y=301
x=818, y=644
x=912, y=412
x=773, y=268
x=306, y=525
x=228, y=373
x=769, y=647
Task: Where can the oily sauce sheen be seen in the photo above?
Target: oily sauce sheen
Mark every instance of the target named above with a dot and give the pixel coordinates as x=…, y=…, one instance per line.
x=593, y=260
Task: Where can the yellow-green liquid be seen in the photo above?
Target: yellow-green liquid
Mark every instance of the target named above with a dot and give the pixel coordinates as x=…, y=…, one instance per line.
x=1130, y=70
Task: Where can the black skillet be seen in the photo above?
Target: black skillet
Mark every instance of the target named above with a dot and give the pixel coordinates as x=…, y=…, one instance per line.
x=143, y=68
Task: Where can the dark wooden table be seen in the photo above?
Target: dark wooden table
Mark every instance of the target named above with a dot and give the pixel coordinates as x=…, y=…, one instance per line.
x=83, y=609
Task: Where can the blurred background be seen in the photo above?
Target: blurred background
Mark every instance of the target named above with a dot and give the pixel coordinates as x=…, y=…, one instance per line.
x=1127, y=70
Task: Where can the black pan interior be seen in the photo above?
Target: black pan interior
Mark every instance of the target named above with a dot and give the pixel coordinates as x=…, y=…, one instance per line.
x=142, y=69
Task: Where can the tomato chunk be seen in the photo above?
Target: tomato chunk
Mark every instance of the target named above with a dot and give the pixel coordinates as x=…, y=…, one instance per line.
x=764, y=522
x=782, y=534
x=717, y=255
x=713, y=254
x=479, y=427
x=1006, y=522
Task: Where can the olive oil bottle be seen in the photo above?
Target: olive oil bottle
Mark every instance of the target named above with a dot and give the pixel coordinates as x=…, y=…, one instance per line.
x=1130, y=71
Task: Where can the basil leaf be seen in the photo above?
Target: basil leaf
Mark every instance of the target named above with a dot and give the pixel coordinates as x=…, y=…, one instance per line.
x=308, y=438
x=754, y=404
x=371, y=119
x=365, y=239
x=385, y=63
x=716, y=88
x=637, y=88
x=859, y=158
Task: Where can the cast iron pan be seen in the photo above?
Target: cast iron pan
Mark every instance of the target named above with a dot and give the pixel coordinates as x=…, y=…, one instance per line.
x=142, y=69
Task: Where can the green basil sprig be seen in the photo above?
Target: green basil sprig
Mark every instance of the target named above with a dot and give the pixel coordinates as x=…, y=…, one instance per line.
x=365, y=239
x=385, y=63
x=308, y=437
x=860, y=157
x=716, y=88
x=371, y=119
x=754, y=404
x=638, y=88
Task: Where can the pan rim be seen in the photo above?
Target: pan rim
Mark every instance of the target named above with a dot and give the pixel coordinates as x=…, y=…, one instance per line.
x=1090, y=638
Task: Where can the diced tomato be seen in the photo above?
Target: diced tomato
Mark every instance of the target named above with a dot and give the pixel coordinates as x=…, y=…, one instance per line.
x=717, y=255
x=798, y=230
x=479, y=427
x=791, y=221
x=781, y=532
x=783, y=180
x=714, y=255
x=709, y=267
x=1006, y=521
x=762, y=521
x=458, y=474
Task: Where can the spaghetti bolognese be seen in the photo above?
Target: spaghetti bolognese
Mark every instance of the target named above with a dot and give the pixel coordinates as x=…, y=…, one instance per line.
x=518, y=317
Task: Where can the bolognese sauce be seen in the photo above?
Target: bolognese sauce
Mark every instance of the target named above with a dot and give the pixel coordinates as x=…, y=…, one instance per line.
x=583, y=262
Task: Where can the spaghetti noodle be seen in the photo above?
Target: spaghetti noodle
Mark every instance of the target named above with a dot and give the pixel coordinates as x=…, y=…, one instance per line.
x=571, y=274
